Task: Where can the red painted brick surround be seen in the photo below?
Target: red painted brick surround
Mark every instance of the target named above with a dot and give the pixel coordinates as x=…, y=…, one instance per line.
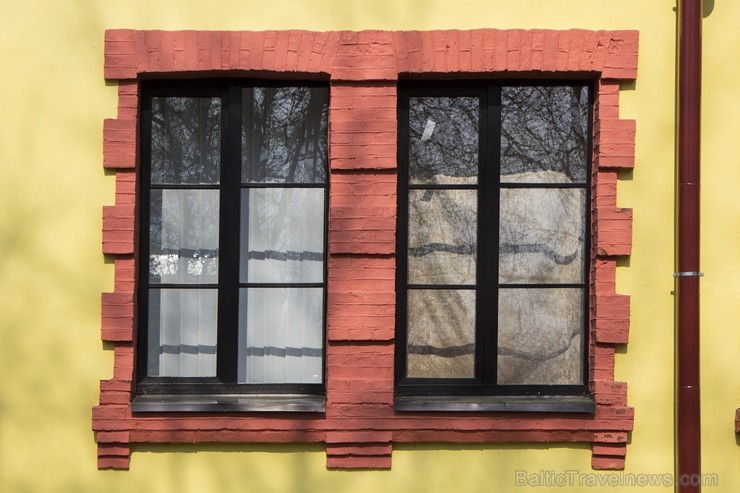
x=360, y=424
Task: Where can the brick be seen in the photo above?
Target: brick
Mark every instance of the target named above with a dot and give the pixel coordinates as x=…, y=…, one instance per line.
x=114, y=450
x=463, y=48
x=245, y=45
x=477, y=58
x=118, y=229
x=123, y=362
x=609, y=449
x=614, y=412
x=361, y=436
x=499, y=53
x=105, y=462
x=126, y=188
x=604, y=275
x=111, y=425
x=614, y=231
x=115, y=385
x=577, y=39
x=610, y=437
x=361, y=410
x=282, y=42
x=608, y=392
x=111, y=412
x=360, y=450
x=513, y=49
x=601, y=362
x=621, y=66
x=256, y=51
x=607, y=463
x=605, y=185
x=452, y=51
x=525, y=51
x=124, y=274
x=117, y=437
x=115, y=398
x=117, y=316
x=303, y=54
x=329, y=52
x=550, y=49
x=414, y=43
x=616, y=131
x=351, y=462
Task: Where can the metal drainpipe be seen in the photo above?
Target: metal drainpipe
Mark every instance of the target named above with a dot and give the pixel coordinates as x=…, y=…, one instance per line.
x=688, y=429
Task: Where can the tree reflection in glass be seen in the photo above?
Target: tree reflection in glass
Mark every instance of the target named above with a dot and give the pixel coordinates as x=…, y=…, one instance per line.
x=544, y=134
x=443, y=140
x=284, y=134
x=186, y=140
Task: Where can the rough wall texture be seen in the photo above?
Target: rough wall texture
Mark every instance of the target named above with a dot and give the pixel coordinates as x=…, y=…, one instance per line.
x=360, y=424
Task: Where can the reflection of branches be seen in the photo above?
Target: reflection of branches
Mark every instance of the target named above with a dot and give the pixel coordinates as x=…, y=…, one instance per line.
x=452, y=148
x=544, y=128
x=545, y=356
x=541, y=235
x=454, y=351
x=428, y=248
x=186, y=139
x=444, y=222
x=444, y=352
x=284, y=135
x=541, y=248
x=441, y=324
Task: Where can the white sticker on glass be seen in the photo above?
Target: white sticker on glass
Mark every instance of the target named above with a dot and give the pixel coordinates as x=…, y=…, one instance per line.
x=428, y=130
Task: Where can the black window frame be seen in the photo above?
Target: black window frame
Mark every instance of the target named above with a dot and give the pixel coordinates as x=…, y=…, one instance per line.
x=203, y=390
x=456, y=394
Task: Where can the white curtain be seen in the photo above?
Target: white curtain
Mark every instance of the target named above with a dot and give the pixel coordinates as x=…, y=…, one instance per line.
x=187, y=317
x=281, y=327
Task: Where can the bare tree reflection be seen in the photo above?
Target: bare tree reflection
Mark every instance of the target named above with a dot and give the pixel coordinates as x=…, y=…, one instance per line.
x=186, y=140
x=443, y=139
x=284, y=135
x=544, y=128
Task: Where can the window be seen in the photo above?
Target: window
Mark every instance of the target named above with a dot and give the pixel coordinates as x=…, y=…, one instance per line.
x=493, y=239
x=233, y=213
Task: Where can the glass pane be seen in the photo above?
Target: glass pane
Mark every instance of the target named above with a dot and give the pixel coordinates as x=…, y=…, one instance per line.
x=441, y=333
x=443, y=139
x=280, y=335
x=282, y=235
x=284, y=134
x=544, y=134
x=186, y=140
x=442, y=236
x=183, y=236
x=540, y=335
x=182, y=332
x=542, y=235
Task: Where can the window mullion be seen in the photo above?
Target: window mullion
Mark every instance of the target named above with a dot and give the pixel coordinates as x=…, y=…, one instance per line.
x=489, y=224
x=228, y=296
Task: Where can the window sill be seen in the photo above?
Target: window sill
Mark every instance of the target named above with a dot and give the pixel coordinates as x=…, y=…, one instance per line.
x=530, y=403
x=209, y=403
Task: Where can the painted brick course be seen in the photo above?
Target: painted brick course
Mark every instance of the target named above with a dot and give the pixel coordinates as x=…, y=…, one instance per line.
x=360, y=424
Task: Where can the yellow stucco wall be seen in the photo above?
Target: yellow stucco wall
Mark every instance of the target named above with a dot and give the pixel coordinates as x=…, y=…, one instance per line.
x=53, y=100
